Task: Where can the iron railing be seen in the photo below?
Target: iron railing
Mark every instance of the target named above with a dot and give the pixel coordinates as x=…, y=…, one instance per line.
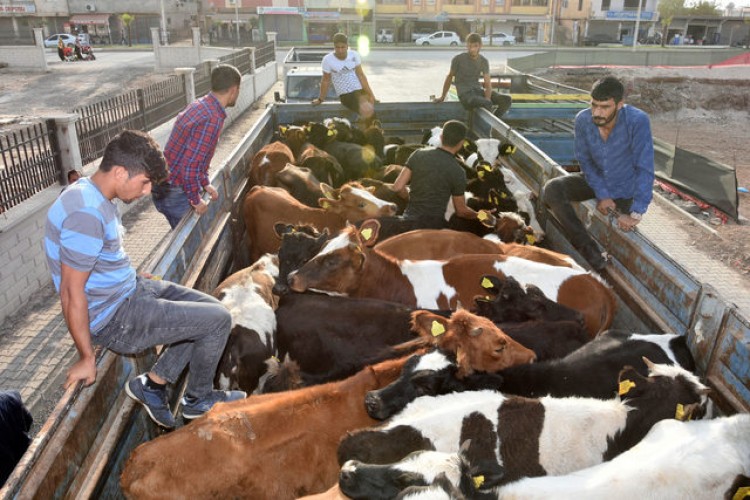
x=264, y=54
x=29, y=162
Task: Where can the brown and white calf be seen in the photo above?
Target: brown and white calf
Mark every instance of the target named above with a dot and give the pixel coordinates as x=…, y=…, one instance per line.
x=344, y=266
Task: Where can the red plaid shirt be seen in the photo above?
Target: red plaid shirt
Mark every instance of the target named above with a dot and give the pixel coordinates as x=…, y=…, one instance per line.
x=192, y=143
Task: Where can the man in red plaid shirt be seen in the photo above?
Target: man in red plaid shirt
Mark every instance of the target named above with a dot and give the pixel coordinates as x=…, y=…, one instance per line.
x=191, y=146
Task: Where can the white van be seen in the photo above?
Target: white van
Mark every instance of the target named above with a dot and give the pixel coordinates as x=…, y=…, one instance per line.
x=384, y=35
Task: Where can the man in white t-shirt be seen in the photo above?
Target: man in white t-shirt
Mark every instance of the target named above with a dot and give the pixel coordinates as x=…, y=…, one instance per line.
x=343, y=68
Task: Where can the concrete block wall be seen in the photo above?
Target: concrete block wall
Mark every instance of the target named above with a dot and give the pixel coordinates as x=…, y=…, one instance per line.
x=26, y=56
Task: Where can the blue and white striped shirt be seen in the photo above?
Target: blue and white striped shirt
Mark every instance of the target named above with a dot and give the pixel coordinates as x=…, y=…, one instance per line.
x=83, y=231
x=623, y=166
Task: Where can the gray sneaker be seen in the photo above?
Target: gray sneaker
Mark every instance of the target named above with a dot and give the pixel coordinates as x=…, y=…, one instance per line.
x=196, y=407
x=153, y=400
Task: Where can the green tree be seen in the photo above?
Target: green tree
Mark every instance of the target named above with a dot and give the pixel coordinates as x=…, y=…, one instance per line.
x=704, y=8
x=397, y=23
x=667, y=10
x=127, y=20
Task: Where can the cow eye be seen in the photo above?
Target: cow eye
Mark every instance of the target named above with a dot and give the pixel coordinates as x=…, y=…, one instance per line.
x=500, y=348
x=361, y=205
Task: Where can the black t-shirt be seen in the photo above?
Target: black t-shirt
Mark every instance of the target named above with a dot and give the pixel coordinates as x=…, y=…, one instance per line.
x=467, y=72
x=435, y=177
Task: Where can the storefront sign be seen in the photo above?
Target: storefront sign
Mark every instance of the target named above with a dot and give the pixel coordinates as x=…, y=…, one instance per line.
x=279, y=10
x=16, y=8
x=629, y=14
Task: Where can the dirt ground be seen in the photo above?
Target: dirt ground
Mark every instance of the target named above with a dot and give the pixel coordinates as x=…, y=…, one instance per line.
x=703, y=110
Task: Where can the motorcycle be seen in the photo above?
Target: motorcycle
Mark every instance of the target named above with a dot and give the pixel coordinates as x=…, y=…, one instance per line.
x=87, y=54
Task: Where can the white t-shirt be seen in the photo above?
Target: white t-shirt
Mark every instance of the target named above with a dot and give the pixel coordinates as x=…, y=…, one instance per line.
x=344, y=78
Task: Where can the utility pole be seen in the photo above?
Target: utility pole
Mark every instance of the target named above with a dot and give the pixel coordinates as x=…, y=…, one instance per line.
x=237, y=18
x=163, y=25
x=637, y=24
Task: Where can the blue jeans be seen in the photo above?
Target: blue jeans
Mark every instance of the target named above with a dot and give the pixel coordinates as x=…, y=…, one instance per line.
x=558, y=195
x=171, y=201
x=193, y=325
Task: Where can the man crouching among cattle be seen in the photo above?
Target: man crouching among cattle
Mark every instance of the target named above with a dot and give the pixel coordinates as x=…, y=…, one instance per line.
x=104, y=302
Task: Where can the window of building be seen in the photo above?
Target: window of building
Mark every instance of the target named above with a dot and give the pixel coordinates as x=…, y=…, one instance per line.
x=605, y=5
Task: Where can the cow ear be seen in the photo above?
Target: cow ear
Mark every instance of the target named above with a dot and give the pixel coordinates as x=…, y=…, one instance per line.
x=281, y=229
x=490, y=283
x=328, y=191
x=328, y=203
x=369, y=232
x=630, y=383
x=429, y=325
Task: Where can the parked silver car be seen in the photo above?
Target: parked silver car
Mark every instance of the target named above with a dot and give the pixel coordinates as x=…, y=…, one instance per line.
x=450, y=38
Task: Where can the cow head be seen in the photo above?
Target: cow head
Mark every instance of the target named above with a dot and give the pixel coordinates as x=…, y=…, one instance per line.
x=336, y=268
x=511, y=228
x=294, y=136
x=299, y=243
x=319, y=135
x=479, y=345
x=508, y=301
x=353, y=202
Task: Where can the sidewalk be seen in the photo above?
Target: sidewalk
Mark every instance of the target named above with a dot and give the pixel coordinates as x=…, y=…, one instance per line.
x=35, y=347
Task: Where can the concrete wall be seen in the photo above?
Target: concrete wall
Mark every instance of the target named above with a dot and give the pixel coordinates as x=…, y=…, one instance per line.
x=679, y=56
x=24, y=270
x=26, y=56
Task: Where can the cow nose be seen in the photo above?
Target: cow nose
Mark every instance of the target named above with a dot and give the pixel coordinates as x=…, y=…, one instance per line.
x=392, y=208
x=373, y=404
x=280, y=288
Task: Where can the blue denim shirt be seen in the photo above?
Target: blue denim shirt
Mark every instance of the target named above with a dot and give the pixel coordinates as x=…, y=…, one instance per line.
x=623, y=166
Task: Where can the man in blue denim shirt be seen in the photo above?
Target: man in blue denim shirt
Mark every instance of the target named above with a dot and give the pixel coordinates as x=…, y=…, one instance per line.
x=615, y=150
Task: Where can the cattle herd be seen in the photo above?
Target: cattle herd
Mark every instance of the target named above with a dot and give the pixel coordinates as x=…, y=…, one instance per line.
x=391, y=362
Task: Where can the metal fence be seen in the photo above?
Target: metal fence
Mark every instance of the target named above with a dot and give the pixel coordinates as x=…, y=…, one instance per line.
x=30, y=163
x=241, y=59
x=31, y=158
x=264, y=54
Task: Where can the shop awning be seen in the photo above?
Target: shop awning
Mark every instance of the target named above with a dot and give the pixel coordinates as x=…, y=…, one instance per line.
x=232, y=18
x=90, y=19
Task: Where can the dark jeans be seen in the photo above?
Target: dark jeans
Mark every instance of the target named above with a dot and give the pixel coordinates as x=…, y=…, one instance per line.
x=351, y=100
x=171, y=201
x=193, y=325
x=475, y=99
x=558, y=195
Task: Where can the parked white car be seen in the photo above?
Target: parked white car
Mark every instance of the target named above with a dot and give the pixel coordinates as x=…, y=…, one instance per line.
x=51, y=41
x=440, y=38
x=499, y=38
x=384, y=35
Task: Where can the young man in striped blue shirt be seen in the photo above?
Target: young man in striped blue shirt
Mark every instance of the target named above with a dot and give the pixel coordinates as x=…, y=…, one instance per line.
x=105, y=303
x=615, y=150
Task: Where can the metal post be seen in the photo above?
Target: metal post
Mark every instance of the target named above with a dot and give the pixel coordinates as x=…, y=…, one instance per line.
x=163, y=25
x=237, y=19
x=637, y=24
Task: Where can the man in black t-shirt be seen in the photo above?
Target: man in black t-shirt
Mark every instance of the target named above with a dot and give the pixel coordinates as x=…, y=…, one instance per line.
x=435, y=177
x=466, y=69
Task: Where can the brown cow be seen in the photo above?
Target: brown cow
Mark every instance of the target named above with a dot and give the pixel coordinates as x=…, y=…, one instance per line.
x=345, y=267
x=280, y=448
x=264, y=207
x=269, y=160
x=440, y=244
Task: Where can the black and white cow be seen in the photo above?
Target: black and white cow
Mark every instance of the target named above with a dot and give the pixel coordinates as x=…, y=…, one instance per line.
x=535, y=437
x=699, y=460
x=589, y=371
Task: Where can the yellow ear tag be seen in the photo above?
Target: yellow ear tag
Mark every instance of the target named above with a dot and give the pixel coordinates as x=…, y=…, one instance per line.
x=503, y=195
x=486, y=283
x=276, y=359
x=741, y=493
x=680, y=414
x=625, y=387
x=437, y=329
x=482, y=215
x=324, y=205
x=331, y=133
x=466, y=144
x=478, y=481
x=480, y=174
x=366, y=233
x=531, y=239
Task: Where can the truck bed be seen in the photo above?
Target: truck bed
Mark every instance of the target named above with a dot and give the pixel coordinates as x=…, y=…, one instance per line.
x=83, y=446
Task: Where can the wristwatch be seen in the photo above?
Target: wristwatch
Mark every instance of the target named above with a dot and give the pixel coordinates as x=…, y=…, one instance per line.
x=636, y=215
